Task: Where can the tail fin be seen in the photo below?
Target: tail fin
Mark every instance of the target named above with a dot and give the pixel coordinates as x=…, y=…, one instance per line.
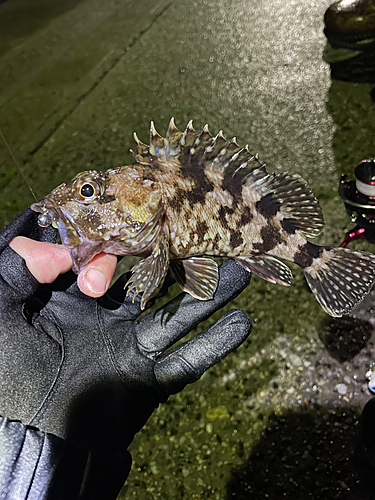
x=340, y=279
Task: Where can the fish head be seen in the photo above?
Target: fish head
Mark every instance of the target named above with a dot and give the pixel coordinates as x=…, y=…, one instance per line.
x=114, y=212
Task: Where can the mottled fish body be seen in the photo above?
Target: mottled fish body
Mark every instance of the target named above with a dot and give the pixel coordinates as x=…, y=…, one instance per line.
x=189, y=196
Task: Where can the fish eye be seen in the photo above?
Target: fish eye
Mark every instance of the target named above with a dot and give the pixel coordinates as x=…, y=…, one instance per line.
x=87, y=190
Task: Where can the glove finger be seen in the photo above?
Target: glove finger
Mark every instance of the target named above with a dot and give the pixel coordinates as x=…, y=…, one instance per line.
x=44, y=261
x=115, y=298
x=186, y=363
x=12, y=266
x=26, y=224
x=15, y=273
x=160, y=329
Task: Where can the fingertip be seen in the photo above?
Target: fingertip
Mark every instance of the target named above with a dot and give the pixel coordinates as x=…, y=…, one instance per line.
x=238, y=324
x=95, y=278
x=93, y=282
x=188, y=361
x=231, y=268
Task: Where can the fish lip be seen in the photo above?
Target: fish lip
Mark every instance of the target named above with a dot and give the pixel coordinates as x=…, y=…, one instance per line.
x=37, y=207
x=84, y=249
x=57, y=214
x=80, y=248
x=43, y=206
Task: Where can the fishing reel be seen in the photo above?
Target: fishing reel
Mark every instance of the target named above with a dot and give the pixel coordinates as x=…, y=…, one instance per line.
x=359, y=199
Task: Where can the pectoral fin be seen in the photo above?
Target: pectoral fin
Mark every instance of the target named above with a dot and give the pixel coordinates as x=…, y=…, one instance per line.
x=148, y=275
x=198, y=276
x=268, y=268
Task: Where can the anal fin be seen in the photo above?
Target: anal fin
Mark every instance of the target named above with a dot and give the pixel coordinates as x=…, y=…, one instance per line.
x=268, y=268
x=198, y=276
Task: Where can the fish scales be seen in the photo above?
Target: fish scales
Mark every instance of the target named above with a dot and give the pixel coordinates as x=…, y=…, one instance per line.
x=188, y=197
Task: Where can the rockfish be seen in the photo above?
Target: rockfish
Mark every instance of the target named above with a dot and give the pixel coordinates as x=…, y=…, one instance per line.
x=189, y=196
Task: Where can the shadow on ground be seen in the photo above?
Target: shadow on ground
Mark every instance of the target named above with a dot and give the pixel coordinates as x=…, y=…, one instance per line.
x=318, y=453
x=345, y=337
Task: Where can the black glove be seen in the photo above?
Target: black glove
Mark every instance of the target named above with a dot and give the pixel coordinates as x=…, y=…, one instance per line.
x=86, y=371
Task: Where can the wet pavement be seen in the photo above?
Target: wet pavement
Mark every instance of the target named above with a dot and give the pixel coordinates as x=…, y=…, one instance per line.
x=77, y=82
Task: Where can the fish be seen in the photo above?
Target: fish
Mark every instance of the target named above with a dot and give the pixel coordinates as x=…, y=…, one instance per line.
x=191, y=197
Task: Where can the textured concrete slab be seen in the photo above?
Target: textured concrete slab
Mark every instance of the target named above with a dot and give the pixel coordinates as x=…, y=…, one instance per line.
x=45, y=73
x=254, y=70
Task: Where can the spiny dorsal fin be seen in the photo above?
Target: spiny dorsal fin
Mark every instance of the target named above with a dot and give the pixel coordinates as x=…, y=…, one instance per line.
x=173, y=135
x=157, y=142
x=189, y=135
x=199, y=145
x=224, y=158
x=214, y=146
x=142, y=149
x=226, y=153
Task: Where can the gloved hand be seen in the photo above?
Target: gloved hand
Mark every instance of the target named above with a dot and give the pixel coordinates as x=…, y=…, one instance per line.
x=86, y=370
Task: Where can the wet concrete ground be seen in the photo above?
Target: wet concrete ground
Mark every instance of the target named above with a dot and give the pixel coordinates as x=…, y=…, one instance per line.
x=76, y=81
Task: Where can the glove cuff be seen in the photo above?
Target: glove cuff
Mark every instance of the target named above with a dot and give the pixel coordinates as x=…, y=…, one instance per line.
x=35, y=464
x=28, y=460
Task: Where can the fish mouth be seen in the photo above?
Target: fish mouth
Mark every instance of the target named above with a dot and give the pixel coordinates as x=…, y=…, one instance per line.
x=81, y=248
